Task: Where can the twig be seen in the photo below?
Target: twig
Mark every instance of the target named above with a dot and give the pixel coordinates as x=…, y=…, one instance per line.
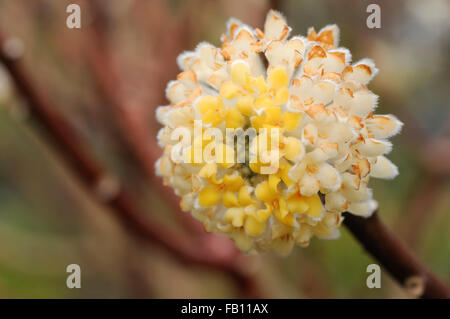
x=135, y=128
x=93, y=176
x=395, y=256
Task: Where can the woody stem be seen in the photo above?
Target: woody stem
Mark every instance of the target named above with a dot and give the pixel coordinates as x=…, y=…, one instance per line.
x=394, y=255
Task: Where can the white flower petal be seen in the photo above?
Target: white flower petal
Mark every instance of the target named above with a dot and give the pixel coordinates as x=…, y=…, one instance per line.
x=383, y=168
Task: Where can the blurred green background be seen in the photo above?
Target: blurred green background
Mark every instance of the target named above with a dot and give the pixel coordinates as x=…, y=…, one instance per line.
x=48, y=221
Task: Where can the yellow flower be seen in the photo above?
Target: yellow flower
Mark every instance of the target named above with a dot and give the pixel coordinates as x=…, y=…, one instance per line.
x=223, y=189
x=272, y=117
x=283, y=207
x=213, y=110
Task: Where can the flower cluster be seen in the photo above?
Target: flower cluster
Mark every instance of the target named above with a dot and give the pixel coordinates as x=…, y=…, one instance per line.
x=330, y=141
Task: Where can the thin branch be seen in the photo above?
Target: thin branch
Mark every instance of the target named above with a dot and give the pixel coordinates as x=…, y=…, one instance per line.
x=134, y=127
x=92, y=175
x=395, y=256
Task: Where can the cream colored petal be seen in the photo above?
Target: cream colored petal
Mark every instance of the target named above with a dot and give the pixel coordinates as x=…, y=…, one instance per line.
x=371, y=147
x=383, y=168
x=336, y=202
x=308, y=185
x=176, y=92
x=361, y=72
x=336, y=60
x=363, y=102
x=310, y=134
x=383, y=126
x=351, y=180
x=287, y=55
x=359, y=195
x=275, y=27
x=303, y=236
x=328, y=36
x=364, y=209
x=323, y=92
x=328, y=177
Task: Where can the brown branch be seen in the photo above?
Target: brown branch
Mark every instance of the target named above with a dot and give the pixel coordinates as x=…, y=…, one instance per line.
x=92, y=176
x=135, y=128
x=395, y=256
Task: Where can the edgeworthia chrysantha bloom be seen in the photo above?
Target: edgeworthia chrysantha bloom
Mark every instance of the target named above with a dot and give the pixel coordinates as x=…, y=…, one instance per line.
x=330, y=141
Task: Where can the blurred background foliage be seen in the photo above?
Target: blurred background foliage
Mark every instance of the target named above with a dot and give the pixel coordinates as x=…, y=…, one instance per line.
x=48, y=221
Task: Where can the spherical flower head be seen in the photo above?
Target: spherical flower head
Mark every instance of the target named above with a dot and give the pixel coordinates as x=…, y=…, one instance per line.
x=306, y=140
